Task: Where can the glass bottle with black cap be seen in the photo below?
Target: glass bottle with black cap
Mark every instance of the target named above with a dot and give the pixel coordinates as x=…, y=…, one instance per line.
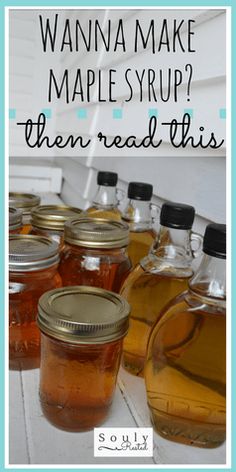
x=106, y=200
x=158, y=278
x=138, y=215
x=185, y=371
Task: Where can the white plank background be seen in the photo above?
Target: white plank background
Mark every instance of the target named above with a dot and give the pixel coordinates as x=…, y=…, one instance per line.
x=29, y=68
x=190, y=176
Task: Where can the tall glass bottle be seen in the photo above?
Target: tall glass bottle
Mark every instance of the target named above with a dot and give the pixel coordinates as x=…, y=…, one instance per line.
x=158, y=278
x=139, y=218
x=185, y=372
x=105, y=203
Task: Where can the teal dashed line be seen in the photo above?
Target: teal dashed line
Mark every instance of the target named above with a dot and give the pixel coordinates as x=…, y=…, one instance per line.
x=222, y=113
x=153, y=112
x=117, y=113
x=189, y=111
x=82, y=113
x=12, y=113
x=47, y=112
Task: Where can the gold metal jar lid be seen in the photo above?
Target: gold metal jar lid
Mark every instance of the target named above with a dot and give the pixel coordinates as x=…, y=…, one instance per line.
x=25, y=201
x=97, y=233
x=53, y=216
x=15, y=218
x=83, y=315
x=29, y=253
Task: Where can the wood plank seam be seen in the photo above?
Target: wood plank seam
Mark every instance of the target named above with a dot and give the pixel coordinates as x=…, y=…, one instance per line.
x=25, y=421
x=133, y=411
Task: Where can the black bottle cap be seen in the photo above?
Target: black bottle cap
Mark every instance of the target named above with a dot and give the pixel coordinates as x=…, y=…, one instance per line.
x=109, y=179
x=140, y=191
x=214, y=242
x=177, y=215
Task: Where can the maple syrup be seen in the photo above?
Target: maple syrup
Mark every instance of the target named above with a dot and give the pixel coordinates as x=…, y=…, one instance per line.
x=138, y=216
x=95, y=253
x=33, y=264
x=82, y=330
x=185, y=371
x=105, y=203
x=158, y=278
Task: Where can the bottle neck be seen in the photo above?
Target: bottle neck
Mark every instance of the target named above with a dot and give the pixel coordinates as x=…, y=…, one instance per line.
x=138, y=215
x=170, y=254
x=210, y=279
x=106, y=196
x=173, y=244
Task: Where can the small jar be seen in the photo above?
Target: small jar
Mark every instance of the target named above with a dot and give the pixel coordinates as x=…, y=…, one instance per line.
x=33, y=263
x=95, y=253
x=25, y=202
x=49, y=220
x=81, y=340
x=15, y=220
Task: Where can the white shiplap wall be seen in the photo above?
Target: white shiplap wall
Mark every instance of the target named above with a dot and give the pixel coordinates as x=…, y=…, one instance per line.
x=205, y=183
x=28, y=74
x=190, y=175
x=208, y=84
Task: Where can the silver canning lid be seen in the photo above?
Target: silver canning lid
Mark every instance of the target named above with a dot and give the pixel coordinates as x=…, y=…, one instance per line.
x=15, y=218
x=83, y=315
x=97, y=233
x=25, y=201
x=28, y=253
x=53, y=216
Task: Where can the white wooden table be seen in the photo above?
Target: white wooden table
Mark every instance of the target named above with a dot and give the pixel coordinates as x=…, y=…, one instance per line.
x=32, y=440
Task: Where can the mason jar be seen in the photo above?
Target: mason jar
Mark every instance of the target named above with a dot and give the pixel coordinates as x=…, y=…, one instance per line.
x=82, y=329
x=49, y=220
x=95, y=253
x=15, y=220
x=33, y=264
x=25, y=202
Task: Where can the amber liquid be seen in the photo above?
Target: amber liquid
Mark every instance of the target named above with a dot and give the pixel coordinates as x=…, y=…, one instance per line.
x=106, y=268
x=15, y=231
x=24, y=335
x=139, y=245
x=112, y=213
x=77, y=382
x=185, y=376
x=26, y=228
x=147, y=293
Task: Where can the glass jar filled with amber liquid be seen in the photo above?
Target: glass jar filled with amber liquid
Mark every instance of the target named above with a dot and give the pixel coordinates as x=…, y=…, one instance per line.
x=107, y=198
x=185, y=371
x=81, y=341
x=15, y=220
x=138, y=215
x=26, y=202
x=95, y=253
x=49, y=220
x=33, y=264
x=158, y=278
